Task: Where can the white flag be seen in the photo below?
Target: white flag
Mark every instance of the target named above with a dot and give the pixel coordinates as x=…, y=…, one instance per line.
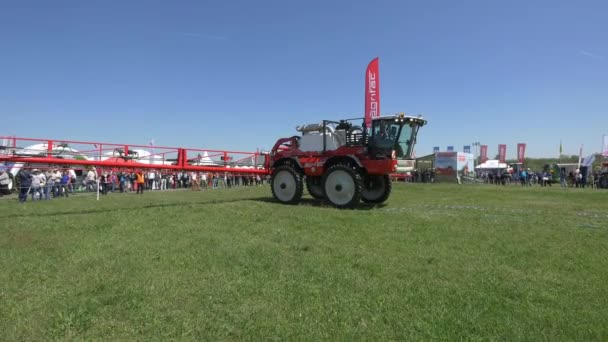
x=588, y=161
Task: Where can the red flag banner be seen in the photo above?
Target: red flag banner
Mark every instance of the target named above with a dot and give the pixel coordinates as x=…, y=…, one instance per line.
x=521, y=152
x=372, y=92
x=502, y=153
x=483, y=153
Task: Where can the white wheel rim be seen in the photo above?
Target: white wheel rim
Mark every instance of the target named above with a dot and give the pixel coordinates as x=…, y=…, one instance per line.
x=284, y=186
x=374, y=193
x=340, y=187
x=10, y=185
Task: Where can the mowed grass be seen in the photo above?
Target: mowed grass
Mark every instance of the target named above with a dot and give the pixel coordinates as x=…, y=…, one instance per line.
x=436, y=262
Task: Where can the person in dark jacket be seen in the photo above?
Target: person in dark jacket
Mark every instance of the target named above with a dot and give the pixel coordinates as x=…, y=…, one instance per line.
x=25, y=182
x=65, y=182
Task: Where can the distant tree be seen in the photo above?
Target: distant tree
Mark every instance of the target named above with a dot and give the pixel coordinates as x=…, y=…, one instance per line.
x=537, y=164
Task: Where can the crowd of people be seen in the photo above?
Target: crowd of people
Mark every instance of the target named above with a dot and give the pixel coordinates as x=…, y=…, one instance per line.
x=154, y=180
x=526, y=177
x=45, y=185
x=56, y=183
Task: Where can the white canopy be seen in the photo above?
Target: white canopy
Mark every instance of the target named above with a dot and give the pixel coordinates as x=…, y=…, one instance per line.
x=491, y=164
x=205, y=160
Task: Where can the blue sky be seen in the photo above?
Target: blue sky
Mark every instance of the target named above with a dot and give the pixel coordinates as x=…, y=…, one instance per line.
x=240, y=74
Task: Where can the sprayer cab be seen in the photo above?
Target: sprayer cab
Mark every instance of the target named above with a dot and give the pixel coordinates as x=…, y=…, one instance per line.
x=394, y=133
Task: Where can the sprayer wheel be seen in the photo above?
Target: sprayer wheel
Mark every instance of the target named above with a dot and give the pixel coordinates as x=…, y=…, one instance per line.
x=342, y=185
x=376, y=188
x=286, y=185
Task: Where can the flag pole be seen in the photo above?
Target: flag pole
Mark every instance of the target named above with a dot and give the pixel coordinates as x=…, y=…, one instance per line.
x=602, y=158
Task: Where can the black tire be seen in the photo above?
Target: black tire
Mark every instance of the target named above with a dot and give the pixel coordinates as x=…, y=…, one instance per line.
x=314, y=185
x=376, y=188
x=342, y=185
x=286, y=185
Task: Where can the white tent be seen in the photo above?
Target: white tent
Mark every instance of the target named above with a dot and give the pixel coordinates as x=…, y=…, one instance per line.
x=491, y=165
x=205, y=160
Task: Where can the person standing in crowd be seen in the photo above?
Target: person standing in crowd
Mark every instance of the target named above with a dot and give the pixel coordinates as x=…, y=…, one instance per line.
x=36, y=185
x=56, y=182
x=91, y=178
x=204, y=180
x=172, y=181
x=139, y=176
x=151, y=178
x=122, y=180
x=108, y=182
x=562, y=177
x=65, y=181
x=4, y=181
x=102, y=183
x=112, y=180
x=523, y=177
x=530, y=176
x=48, y=188
x=185, y=180
x=163, y=181
x=25, y=183
x=72, y=174
x=193, y=181
x=133, y=183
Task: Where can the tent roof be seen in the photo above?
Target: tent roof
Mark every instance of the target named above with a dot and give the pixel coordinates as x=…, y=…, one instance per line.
x=205, y=159
x=492, y=164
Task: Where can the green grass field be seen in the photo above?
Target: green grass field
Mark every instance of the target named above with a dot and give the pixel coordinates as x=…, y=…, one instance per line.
x=436, y=262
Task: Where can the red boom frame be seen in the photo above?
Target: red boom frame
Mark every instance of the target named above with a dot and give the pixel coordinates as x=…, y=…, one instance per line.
x=181, y=162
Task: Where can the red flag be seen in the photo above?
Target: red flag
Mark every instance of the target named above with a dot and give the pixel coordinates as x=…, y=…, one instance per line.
x=521, y=152
x=502, y=153
x=483, y=153
x=372, y=92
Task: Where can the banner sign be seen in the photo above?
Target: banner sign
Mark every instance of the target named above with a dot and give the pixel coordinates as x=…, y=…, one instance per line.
x=521, y=152
x=466, y=149
x=465, y=164
x=502, y=153
x=483, y=153
x=435, y=149
x=446, y=163
x=372, y=92
x=450, y=148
